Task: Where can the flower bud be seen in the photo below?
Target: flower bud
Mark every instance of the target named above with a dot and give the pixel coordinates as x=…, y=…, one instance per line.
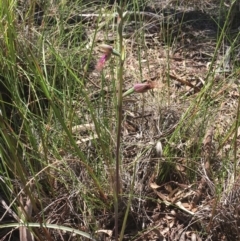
x=141, y=87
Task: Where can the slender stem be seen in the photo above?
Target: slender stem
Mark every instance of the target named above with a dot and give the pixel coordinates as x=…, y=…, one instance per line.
x=119, y=114
x=235, y=149
x=129, y=203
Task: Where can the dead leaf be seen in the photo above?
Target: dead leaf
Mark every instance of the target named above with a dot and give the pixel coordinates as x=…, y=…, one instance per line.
x=154, y=185
x=108, y=232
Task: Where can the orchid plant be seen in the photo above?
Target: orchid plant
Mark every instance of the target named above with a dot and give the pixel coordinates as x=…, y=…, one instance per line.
x=138, y=87
x=108, y=51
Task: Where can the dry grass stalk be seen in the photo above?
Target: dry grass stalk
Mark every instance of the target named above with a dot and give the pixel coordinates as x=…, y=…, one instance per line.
x=207, y=150
x=26, y=212
x=207, y=153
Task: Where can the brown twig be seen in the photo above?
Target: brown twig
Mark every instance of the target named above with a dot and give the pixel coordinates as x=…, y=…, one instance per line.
x=185, y=82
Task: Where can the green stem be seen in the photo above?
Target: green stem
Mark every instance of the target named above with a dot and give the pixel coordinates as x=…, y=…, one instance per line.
x=119, y=115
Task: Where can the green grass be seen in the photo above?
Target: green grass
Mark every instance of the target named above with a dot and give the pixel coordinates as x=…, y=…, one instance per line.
x=49, y=87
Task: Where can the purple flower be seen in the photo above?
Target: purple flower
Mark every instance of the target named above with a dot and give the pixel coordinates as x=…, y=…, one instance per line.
x=107, y=49
x=143, y=87
x=102, y=62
